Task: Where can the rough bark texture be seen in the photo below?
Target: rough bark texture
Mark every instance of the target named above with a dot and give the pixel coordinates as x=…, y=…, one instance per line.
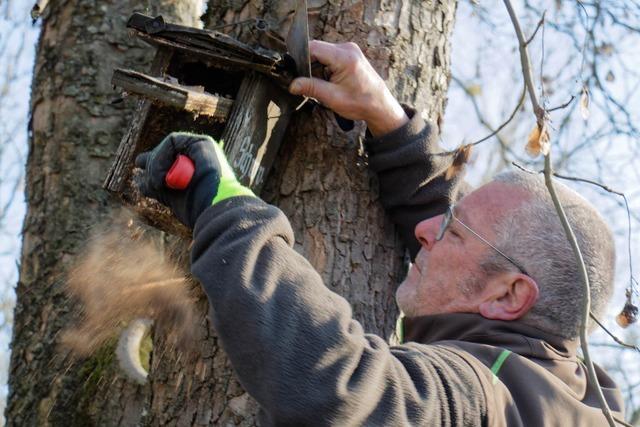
x=75, y=131
x=320, y=180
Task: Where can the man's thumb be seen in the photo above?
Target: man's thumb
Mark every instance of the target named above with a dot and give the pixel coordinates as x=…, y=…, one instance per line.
x=311, y=87
x=318, y=89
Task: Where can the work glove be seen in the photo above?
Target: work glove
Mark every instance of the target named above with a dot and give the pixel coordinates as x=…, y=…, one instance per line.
x=212, y=181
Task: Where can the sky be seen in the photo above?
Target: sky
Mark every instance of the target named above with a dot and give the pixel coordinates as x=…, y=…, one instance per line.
x=485, y=60
x=17, y=48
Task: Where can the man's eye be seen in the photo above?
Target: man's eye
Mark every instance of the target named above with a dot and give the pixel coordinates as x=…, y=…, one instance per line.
x=454, y=232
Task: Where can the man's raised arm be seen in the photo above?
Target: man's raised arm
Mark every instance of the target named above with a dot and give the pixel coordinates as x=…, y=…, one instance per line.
x=295, y=346
x=402, y=147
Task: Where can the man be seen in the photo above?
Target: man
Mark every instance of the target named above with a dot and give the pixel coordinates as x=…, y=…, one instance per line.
x=492, y=299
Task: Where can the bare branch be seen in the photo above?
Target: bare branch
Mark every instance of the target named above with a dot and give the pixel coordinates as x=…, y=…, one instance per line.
x=540, y=23
x=506, y=122
x=505, y=146
x=526, y=65
x=622, y=422
x=562, y=106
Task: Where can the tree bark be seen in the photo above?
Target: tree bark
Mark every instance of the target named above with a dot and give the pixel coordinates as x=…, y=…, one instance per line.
x=319, y=180
x=75, y=131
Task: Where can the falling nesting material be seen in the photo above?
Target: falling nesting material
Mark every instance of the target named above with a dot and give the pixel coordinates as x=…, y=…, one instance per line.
x=124, y=275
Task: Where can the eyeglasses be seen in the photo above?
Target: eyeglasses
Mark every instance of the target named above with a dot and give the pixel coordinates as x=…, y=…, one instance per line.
x=449, y=216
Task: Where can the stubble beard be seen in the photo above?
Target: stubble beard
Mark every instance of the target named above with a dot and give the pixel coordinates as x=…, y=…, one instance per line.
x=407, y=294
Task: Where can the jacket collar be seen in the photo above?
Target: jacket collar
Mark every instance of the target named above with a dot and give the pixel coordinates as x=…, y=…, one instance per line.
x=512, y=335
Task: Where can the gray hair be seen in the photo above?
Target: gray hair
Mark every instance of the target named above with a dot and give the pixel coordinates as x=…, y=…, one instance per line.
x=533, y=235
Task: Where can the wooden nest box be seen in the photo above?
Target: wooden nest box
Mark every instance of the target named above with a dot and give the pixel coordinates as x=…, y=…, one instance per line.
x=205, y=82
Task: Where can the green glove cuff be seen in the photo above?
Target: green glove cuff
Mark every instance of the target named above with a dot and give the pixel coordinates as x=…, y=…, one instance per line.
x=229, y=185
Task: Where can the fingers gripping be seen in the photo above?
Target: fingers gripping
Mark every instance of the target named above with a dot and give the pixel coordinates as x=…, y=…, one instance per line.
x=212, y=180
x=335, y=57
x=159, y=161
x=325, y=53
x=142, y=159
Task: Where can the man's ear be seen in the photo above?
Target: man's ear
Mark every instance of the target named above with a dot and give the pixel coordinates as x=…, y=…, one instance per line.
x=508, y=297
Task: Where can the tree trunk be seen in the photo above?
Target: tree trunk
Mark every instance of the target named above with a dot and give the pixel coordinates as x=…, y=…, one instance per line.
x=75, y=131
x=320, y=181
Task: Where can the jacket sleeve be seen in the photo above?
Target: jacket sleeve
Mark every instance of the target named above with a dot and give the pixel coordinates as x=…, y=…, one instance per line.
x=411, y=173
x=293, y=342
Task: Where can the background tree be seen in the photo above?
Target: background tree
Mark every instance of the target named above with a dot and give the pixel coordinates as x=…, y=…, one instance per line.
x=16, y=57
x=74, y=132
x=323, y=187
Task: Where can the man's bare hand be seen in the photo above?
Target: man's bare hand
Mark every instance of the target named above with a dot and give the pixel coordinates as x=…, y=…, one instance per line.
x=355, y=90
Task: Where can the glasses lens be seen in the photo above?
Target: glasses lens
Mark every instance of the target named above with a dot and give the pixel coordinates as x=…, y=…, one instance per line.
x=446, y=219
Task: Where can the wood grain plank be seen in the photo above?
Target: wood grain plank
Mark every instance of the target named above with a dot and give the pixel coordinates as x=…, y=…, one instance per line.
x=172, y=94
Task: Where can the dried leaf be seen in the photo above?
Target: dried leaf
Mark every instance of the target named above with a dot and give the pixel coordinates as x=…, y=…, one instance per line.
x=38, y=9
x=533, y=146
x=451, y=172
x=474, y=90
x=605, y=49
x=460, y=158
x=584, y=103
x=628, y=315
x=610, y=76
x=539, y=141
x=463, y=154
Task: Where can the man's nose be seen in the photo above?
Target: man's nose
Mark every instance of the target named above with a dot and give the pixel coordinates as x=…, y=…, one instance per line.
x=427, y=230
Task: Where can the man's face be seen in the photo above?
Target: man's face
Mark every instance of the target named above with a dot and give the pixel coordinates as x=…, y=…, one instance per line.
x=446, y=276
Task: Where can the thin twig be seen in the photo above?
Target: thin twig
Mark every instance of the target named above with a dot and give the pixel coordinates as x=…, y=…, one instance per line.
x=622, y=422
x=494, y=132
x=523, y=169
x=540, y=117
x=533, y=36
x=543, y=96
x=526, y=65
x=611, y=334
x=506, y=122
x=562, y=106
x=588, y=181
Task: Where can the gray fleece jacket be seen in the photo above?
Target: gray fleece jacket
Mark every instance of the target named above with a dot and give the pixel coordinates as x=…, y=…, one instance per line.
x=297, y=350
